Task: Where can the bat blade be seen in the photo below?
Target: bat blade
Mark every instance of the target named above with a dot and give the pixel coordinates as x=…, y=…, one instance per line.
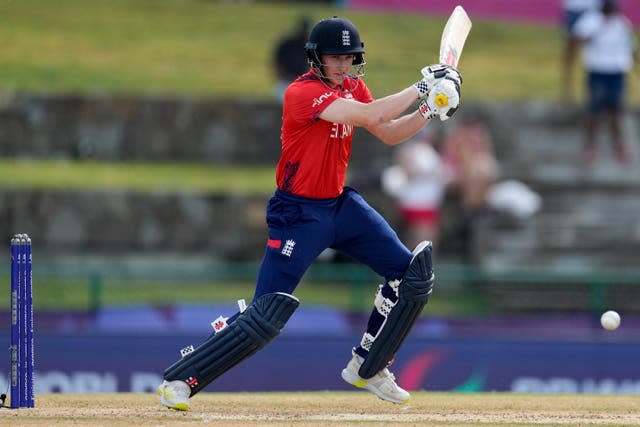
x=453, y=36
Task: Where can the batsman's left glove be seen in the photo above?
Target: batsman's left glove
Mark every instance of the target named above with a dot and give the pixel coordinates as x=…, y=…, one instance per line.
x=442, y=102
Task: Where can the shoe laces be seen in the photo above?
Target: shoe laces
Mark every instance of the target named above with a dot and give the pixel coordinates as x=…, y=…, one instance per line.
x=388, y=374
x=169, y=392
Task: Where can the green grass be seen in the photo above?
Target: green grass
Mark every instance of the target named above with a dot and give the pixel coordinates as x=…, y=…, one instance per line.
x=82, y=295
x=211, y=48
x=350, y=297
x=183, y=177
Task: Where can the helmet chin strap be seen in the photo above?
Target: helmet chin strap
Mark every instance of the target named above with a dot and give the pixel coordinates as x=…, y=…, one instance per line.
x=358, y=70
x=325, y=79
x=318, y=70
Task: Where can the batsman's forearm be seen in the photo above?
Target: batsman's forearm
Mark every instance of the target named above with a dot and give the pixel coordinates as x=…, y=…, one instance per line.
x=388, y=108
x=399, y=130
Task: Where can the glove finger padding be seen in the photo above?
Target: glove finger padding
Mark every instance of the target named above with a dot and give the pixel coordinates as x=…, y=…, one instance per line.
x=444, y=99
x=433, y=74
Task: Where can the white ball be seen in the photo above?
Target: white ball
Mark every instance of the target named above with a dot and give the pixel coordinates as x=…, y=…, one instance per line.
x=610, y=320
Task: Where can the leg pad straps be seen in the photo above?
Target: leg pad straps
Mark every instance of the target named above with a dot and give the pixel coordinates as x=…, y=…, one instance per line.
x=251, y=331
x=413, y=294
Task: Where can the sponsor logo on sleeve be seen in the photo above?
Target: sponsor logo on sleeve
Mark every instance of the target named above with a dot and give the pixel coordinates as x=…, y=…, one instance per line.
x=319, y=100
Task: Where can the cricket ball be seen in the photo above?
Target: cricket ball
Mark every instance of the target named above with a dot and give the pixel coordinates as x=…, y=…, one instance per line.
x=610, y=320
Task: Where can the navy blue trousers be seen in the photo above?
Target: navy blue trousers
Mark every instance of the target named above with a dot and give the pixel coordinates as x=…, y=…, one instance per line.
x=301, y=228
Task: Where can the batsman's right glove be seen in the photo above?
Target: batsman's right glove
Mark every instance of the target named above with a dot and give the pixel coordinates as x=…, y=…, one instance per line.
x=433, y=74
x=442, y=102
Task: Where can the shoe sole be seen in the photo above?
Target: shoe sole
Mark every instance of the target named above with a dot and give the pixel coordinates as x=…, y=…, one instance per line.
x=178, y=406
x=362, y=383
x=175, y=406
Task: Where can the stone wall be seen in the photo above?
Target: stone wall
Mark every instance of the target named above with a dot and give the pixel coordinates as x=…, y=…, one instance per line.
x=589, y=216
x=121, y=128
x=222, y=226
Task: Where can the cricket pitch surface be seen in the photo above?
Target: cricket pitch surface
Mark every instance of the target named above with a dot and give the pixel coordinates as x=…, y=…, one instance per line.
x=330, y=409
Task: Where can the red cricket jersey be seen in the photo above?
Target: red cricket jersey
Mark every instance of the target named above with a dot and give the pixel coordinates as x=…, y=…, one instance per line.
x=315, y=153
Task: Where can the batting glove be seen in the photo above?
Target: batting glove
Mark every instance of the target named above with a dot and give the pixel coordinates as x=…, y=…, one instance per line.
x=442, y=102
x=433, y=74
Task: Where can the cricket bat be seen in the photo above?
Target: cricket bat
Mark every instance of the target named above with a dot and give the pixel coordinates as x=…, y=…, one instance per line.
x=454, y=35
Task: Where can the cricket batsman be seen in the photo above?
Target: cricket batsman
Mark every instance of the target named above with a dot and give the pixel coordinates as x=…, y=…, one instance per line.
x=312, y=210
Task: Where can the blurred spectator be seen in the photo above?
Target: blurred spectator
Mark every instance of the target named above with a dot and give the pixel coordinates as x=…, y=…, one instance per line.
x=448, y=193
x=571, y=12
x=468, y=153
x=417, y=181
x=609, y=52
x=289, y=57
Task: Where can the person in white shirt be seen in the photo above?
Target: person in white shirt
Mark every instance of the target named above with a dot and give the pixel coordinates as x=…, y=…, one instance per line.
x=609, y=52
x=572, y=10
x=417, y=181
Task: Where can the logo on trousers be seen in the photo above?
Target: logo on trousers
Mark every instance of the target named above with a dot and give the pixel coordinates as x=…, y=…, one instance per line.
x=288, y=247
x=192, y=382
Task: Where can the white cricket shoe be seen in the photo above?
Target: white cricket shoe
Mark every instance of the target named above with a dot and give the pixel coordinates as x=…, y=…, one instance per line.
x=175, y=395
x=383, y=384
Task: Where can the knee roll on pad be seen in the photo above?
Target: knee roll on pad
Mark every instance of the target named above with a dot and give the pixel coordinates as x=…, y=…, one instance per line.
x=413, y=293
x=251, y=331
